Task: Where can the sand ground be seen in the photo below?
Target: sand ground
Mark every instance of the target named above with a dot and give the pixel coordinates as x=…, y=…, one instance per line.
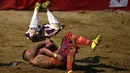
x=112, y=55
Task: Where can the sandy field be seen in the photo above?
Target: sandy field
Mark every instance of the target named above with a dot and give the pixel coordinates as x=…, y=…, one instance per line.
x=112, y=55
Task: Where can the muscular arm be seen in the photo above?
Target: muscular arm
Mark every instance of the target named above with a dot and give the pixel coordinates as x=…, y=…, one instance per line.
x=46, y=51
x=34, y=48
x=49, y=48
x=50, y=53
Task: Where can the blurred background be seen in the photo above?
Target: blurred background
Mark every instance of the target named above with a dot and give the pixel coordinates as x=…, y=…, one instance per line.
x=67, y=5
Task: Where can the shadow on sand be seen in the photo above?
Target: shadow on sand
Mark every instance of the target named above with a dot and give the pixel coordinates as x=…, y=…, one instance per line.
x=13, y=63
x=92, y=64
x=89, y=65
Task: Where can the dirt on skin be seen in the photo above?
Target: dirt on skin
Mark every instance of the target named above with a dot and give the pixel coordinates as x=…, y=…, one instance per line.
x=112, y=55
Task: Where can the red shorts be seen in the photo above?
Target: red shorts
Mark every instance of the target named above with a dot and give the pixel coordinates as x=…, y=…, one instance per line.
x=66, y=45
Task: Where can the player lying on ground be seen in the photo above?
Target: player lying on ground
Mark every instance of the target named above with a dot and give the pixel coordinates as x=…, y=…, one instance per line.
x=40, y=55
x=36, y=32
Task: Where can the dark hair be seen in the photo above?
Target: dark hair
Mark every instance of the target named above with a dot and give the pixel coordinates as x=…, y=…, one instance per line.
x=23, y=55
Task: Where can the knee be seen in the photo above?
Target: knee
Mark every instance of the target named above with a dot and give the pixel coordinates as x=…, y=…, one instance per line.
x=73, y=50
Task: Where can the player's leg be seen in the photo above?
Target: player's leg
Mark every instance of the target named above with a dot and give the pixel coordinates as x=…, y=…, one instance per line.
x=51, y=18
x=34, y=20
x=70, y=60
x=79, y=40
x=33, y=27
x=54, y=25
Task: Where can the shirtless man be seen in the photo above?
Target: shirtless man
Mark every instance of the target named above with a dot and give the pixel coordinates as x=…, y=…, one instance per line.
x=40, y=55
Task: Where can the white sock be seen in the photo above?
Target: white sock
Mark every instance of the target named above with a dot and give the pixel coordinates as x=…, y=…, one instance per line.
x=34, y=21
x=51, y=18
